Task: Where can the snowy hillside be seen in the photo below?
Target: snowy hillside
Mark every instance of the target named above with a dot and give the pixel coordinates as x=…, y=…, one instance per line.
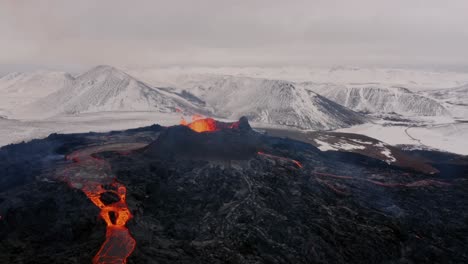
x=270, y=102
x=455, y=99
x=376, y=99
x=381, y=90
x=19, y=89
x=105, y=88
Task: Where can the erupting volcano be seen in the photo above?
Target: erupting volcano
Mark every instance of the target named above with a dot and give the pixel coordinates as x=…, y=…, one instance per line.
x=201, y=124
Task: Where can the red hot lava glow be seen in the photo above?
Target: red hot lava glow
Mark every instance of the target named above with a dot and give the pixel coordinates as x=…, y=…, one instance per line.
x=200, y=124
x=119, y=243
x=92, y=176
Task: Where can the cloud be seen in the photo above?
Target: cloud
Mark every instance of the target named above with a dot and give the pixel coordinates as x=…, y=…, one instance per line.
x=222, y=32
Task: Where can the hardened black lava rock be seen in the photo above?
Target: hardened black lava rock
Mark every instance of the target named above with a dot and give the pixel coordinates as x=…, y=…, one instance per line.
x=45, y=222
x=266, y=209
x=236, y=196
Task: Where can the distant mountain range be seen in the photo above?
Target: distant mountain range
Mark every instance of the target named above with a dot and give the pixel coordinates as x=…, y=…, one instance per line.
x=370, y=90
x=300, y=104
x=373, y=98
x=455, y=99
x=105, y=88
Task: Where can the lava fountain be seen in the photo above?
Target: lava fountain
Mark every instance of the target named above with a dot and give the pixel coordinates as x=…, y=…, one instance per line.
x=206, y=124
x=201, y=124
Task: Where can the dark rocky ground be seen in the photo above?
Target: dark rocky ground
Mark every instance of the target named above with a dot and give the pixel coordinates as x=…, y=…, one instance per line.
x=211, y=198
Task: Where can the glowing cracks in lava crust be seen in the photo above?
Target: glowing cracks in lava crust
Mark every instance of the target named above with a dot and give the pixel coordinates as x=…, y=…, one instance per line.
x=92, y=176
x=119, y=243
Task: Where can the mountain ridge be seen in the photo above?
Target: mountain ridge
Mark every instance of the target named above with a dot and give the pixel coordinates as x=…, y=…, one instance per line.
x=268, y=101
x=376, y=99
x=105, y=88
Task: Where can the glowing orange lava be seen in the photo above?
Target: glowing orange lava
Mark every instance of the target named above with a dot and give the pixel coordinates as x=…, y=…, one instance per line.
x=200, y=124
x=92, y=176
x=119, y=243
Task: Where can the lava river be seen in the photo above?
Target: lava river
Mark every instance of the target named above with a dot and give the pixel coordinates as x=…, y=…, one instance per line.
x=93, y=176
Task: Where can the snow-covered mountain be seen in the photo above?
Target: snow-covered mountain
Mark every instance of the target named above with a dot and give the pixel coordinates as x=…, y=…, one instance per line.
x=413, y=79
x=19, y=89
x=455, y=99
x=454, y=95
x=376, y=99
x=378, y=90
x=105, y=88
x=270, y=102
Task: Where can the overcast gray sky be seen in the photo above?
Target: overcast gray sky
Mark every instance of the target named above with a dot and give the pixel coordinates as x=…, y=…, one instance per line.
x=81, y=33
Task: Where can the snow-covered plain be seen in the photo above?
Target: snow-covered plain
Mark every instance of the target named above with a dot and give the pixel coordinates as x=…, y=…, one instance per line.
x=451, y=137
x=15, y=131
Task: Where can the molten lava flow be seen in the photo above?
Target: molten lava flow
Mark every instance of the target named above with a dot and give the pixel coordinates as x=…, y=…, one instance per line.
x=119, y=243
x=200, y=124
x=92, y=175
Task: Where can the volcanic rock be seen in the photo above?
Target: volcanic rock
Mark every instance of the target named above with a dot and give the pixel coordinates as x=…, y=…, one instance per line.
x=261, y=207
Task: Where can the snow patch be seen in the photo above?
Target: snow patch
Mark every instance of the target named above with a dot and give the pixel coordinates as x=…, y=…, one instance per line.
x=325, y=146
x=340, y=145
x=386, y=152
